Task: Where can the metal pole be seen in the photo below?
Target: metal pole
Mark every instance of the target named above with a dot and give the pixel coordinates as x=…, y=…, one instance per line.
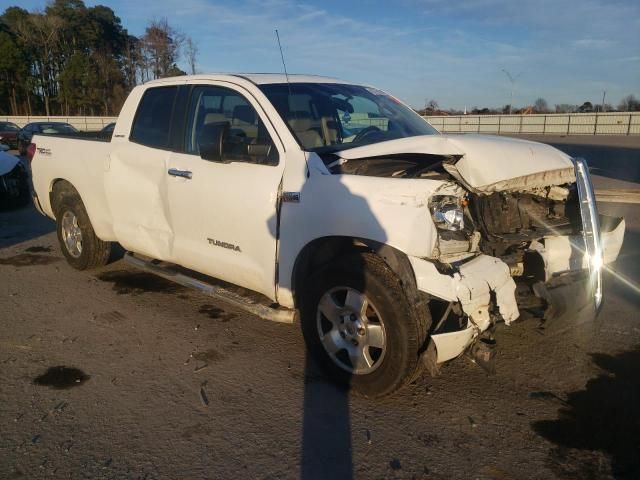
x=511, y=101
x=629, y=126
x=512, y=79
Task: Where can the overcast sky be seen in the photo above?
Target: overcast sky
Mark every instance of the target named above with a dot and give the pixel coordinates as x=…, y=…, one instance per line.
x=453, y=51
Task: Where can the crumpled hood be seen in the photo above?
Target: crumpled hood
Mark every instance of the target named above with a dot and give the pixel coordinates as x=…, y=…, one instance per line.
x=486, y=163
x=7, y=162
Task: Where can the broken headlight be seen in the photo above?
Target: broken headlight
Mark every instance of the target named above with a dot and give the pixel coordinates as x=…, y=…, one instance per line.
x=447, y=212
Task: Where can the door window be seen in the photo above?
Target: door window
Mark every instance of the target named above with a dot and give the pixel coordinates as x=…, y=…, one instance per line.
x=248, y=139
x=152, y=122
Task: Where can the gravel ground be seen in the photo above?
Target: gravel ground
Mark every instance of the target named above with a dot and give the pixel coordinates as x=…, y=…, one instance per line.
x=162, y=382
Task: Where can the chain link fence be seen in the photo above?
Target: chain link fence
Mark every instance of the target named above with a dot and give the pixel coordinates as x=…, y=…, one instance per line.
x=545, y=124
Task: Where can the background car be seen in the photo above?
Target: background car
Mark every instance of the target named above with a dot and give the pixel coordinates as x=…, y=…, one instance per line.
x=14, y=182
x=51, y=128
x=8, y=134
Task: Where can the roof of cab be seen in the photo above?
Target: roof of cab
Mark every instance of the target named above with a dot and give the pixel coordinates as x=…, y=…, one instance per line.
x=257, y=78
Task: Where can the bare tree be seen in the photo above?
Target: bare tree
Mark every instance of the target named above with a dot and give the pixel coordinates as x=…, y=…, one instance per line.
x=191, y=52
x=41, y=33
x=629, y=104
x=541, y=105
x=566, y=108
x=161, y=45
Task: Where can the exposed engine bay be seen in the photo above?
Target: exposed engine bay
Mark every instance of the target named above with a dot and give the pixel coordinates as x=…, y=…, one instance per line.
x=500, y=224
x=406, y=165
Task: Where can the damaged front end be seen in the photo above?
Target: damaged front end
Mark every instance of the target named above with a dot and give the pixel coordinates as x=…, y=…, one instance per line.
x=542, y=250
x=551, y=238
x=517, y=230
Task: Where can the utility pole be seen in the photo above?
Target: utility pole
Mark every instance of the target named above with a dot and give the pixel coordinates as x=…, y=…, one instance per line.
x=604, y=94
x=512, y=79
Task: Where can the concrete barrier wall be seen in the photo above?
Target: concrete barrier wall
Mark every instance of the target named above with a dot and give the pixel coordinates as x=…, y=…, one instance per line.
x=84, y=124
x=549, y=124
x=545, y=124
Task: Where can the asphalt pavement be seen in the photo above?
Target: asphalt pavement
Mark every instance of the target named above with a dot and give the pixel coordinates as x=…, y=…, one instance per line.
x=118, y=374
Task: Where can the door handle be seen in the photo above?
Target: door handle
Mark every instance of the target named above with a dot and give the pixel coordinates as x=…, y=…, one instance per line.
x=174, y=172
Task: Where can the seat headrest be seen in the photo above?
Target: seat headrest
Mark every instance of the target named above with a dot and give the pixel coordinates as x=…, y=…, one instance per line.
x=214, y=118
x=300, y=124
x=244, y=114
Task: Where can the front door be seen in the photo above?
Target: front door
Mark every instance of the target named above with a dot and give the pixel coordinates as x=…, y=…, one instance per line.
x=224, y=214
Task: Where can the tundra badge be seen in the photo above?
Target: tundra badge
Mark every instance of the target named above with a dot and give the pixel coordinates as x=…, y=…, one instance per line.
x=228, y=246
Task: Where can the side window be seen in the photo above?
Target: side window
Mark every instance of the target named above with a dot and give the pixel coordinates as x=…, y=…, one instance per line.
x=248, y=139
x=152, y=122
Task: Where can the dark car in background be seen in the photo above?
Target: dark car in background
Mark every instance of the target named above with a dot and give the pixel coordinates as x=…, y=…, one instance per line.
x=14, y=182
x=9, y=133
x=51, y=128
x=108, y=129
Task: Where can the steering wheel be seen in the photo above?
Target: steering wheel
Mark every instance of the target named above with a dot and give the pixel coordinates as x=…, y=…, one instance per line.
x=364, y=132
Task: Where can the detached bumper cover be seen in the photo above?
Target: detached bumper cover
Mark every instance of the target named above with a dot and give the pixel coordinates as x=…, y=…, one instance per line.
x=472, y=285
x=565, y=254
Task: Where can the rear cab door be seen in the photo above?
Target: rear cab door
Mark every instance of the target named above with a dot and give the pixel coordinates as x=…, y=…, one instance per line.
x=136, y=176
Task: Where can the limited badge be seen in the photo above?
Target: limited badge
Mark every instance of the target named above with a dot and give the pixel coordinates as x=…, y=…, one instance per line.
x=291, y=197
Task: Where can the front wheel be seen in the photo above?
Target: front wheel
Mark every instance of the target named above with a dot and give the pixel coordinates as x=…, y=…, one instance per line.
x=79, y=243
x=360, y=327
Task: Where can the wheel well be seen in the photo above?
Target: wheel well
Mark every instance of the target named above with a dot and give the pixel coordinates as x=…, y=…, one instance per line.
x=321, y=251
x=60, y=189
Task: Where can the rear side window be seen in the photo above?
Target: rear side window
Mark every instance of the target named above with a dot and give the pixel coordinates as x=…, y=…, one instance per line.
x=152, y=122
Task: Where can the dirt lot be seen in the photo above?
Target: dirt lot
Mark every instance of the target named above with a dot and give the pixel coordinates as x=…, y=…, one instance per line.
x=169, y=384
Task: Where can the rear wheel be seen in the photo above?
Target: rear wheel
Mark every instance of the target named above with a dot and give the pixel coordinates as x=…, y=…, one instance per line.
x=360, y=327
x=79, y=243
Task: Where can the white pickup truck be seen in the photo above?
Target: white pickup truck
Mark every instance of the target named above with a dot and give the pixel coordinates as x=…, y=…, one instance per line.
x=397, y=247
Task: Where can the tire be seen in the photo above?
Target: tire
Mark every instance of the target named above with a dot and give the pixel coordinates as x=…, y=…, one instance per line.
x=388, y=312
x=72, y=221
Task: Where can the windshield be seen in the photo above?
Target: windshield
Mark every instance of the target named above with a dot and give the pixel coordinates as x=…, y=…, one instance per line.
x=328, y=117
x=8, y=127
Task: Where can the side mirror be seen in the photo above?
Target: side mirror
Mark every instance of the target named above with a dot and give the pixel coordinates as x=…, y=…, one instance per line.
x=211, y=140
